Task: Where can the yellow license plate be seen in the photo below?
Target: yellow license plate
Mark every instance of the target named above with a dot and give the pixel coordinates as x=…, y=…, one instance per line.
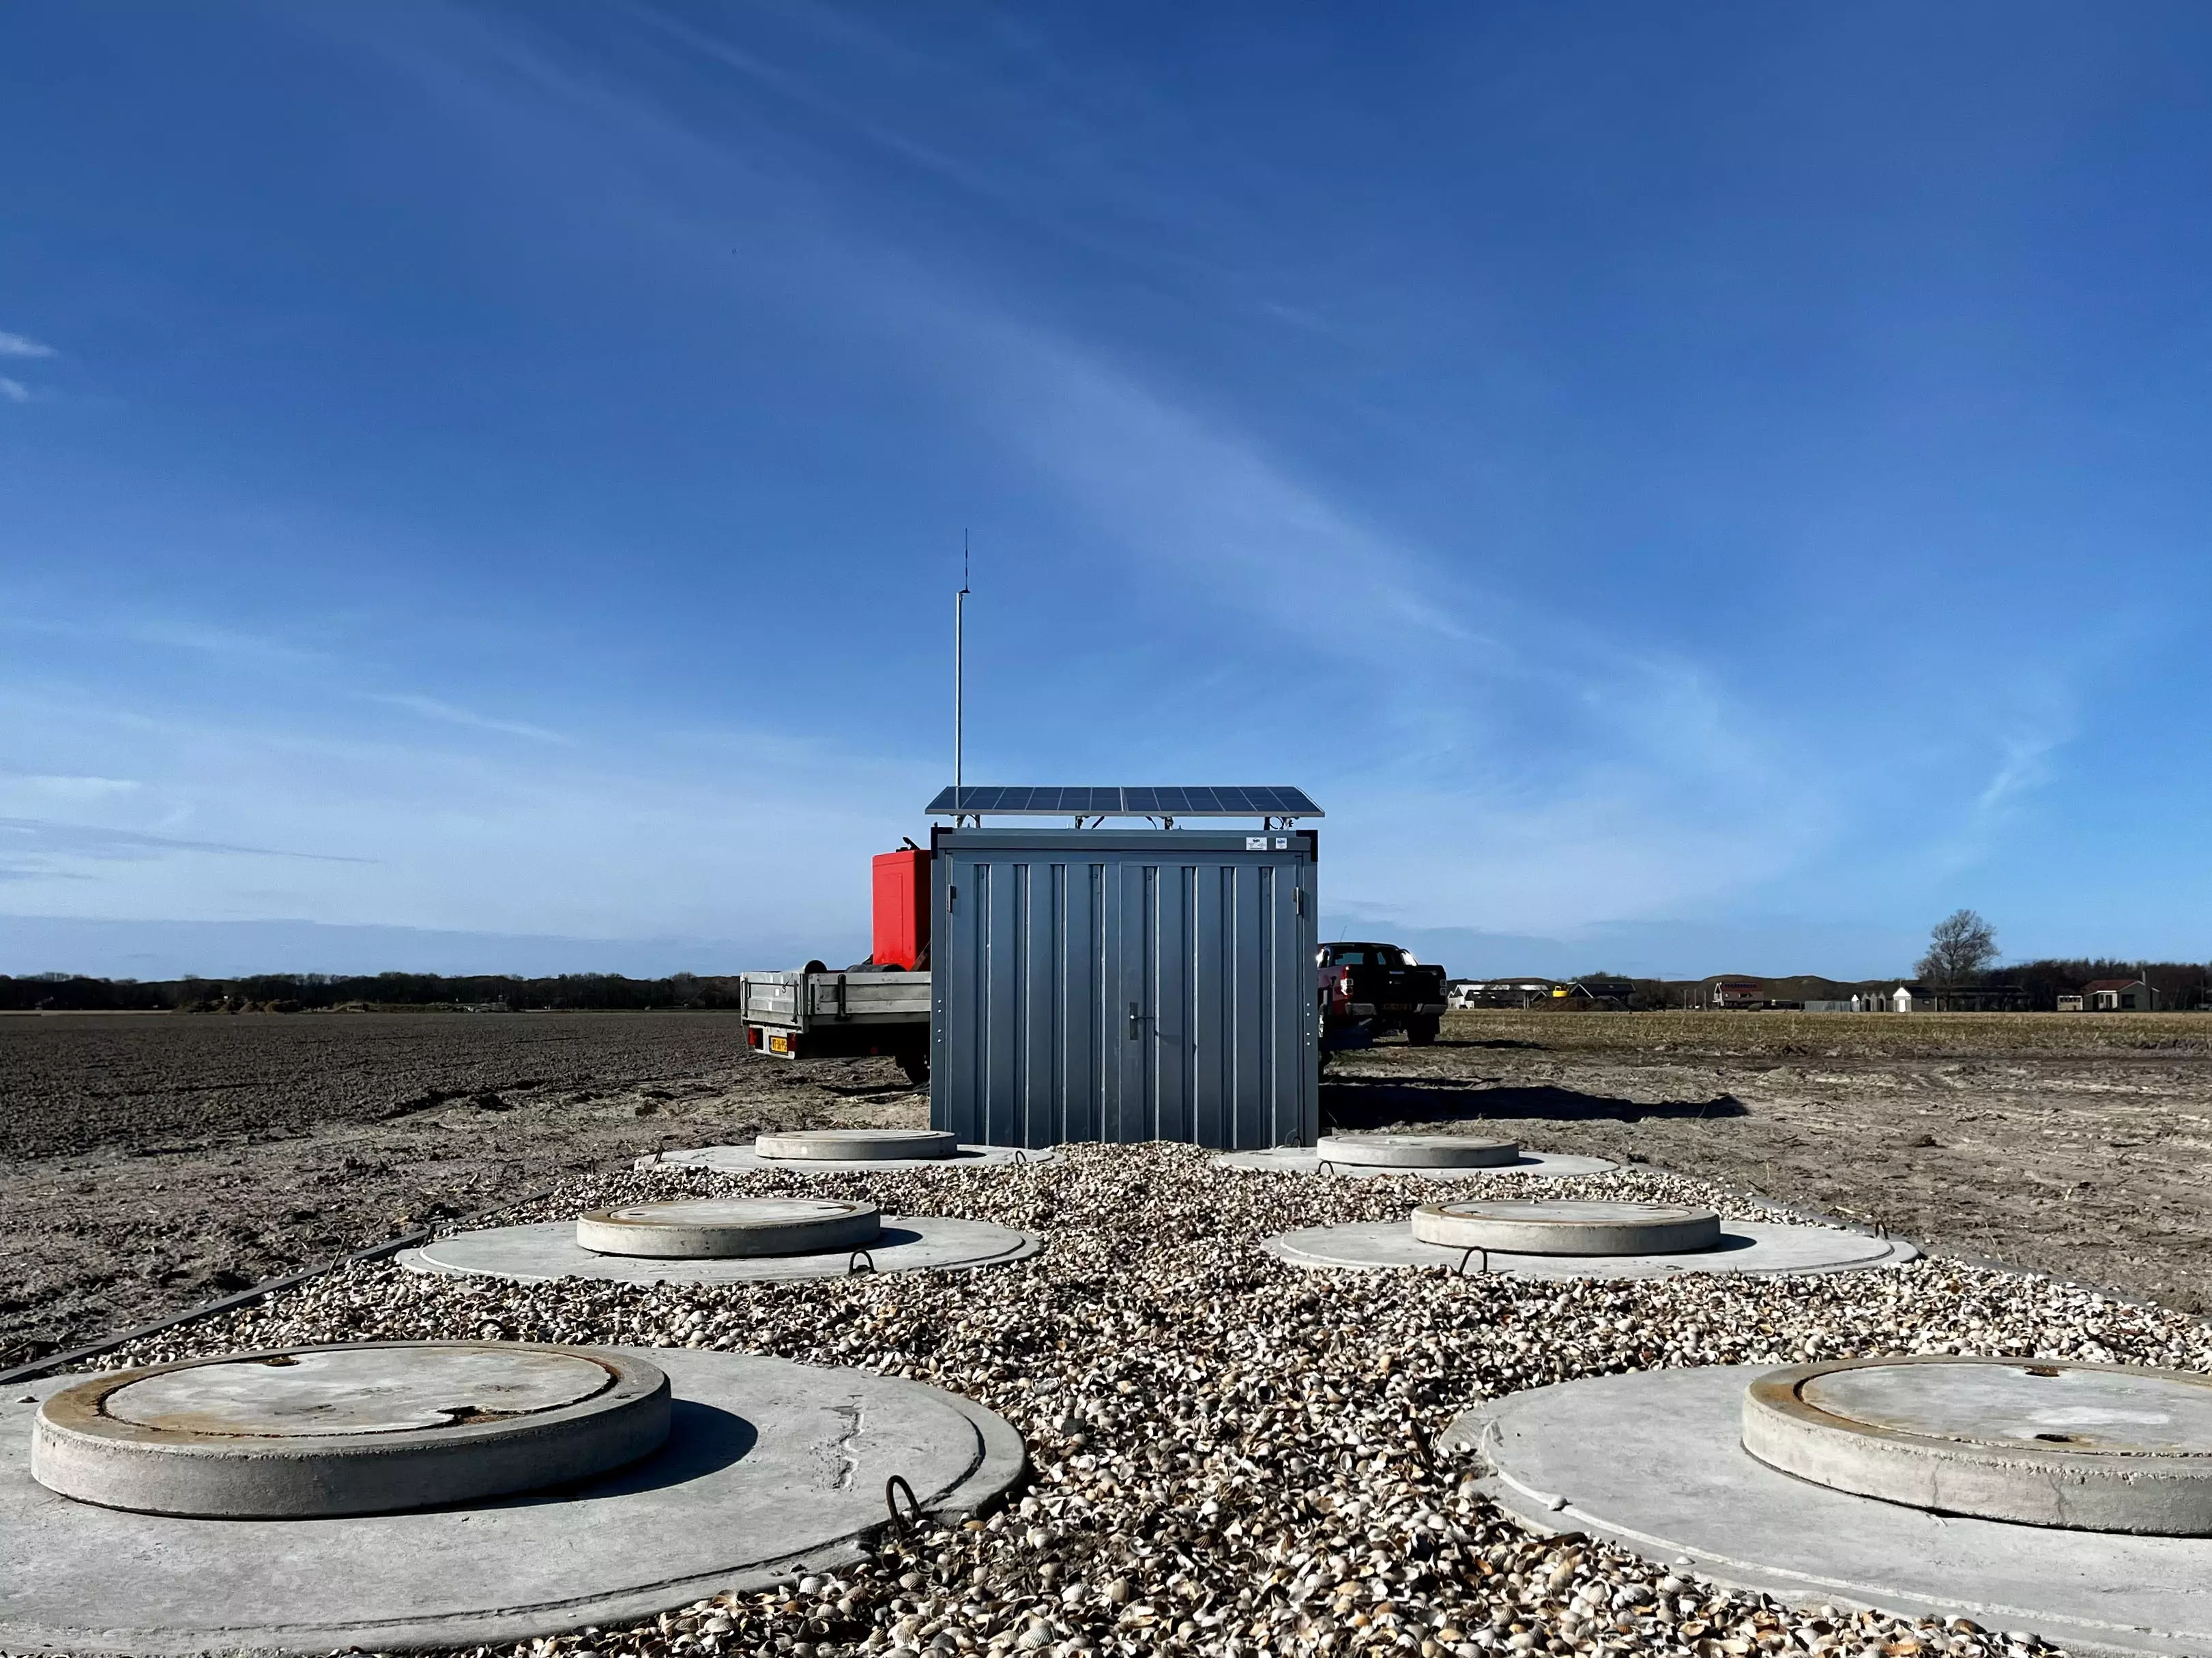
x=777, y=1044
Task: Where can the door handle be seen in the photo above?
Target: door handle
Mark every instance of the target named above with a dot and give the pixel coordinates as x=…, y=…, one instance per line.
x=1136, y=1019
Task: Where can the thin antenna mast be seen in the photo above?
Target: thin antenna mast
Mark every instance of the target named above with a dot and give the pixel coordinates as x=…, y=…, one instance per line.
x=959, y=641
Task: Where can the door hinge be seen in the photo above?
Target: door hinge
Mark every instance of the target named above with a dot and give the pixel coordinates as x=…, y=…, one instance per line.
x=1299, y=897
x=952, y=896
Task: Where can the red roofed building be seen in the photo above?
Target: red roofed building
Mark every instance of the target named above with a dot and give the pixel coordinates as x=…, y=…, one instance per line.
x=2119, y=996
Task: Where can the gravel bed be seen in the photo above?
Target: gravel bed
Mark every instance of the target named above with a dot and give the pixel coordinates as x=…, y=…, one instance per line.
x=1230, y=1455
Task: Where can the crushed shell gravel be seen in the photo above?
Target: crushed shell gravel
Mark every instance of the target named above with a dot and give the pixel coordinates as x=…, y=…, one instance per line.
x=1229, y=1454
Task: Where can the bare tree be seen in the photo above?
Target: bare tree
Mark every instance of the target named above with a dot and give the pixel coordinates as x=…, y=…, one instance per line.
x=1961, y=947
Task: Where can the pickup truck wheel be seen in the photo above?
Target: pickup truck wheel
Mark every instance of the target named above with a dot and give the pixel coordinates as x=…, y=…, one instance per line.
x=1421, y=1029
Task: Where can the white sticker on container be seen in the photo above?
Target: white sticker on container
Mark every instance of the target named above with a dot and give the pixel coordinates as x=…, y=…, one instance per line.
x=1256, y=843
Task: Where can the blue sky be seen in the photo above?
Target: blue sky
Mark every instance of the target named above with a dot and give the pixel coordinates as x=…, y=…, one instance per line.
x=1688, y=489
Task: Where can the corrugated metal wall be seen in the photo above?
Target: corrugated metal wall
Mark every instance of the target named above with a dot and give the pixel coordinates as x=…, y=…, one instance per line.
x=1124, y=985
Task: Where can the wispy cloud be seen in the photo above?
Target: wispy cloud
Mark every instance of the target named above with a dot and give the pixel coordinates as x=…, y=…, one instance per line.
x=431, y=708
x=1506, y=744
x=173, y=632
x=1648, y=746
x=39, y=835
x=17, y=345
x=14, y=390
x=2017, y=758
x=484, y=836
x=2025, y=766
x=1191, y=491
x=42, y=786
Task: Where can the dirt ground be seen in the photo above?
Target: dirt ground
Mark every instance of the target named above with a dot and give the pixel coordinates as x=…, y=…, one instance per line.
x=151, y=1162
x=2071, y=1144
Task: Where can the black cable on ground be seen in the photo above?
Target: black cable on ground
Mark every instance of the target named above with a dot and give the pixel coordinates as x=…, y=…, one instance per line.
x=39, y=1367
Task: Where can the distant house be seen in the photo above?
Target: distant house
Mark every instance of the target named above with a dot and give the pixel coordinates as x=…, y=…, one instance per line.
x=2120, y=996
x=1737, y=993
x=2070, y=1004
x=1500, y=992
x=1620, y=989
x=1612, y=993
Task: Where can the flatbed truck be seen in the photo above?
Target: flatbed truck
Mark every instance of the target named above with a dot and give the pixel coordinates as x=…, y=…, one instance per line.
x=880, y=1007
x=842, y=1015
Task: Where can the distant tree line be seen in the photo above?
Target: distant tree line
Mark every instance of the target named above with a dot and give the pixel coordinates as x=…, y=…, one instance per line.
x=2182, y=986
x=300, y=992
x=1962, y=950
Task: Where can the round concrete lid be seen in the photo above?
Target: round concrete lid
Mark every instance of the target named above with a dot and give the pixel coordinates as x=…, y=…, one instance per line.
x=857, y=1145
x=367, y=1428
x=907, y=1243
x=746, y=1159
x=1307, y=1160
x=350, y=1390
x=2045, y=1442
x=1567, y=1227
x=1650, y=1462
x=1749, y=1246
x=1418, y=1151
x=720, y=1228
x=770, y=1470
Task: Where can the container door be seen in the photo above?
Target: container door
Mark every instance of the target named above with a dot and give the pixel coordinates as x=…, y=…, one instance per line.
x=1211, y=958
x=1150, y=956
x=1024, y=1048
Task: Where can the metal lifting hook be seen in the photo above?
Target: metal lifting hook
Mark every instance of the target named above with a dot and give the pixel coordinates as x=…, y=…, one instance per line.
x=904, y=1524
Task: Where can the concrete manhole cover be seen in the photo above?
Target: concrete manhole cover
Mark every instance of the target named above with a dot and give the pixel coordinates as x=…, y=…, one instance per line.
x=1655, y=1461
x=1315, y=1160
x=1417, y=1151
x=768, y=1470
x=717, y=1228
x=1553, y=1227
x=1752, y=1247
x=828, y=1156
x=361, y=1429
x=2090, y=1447
x=551, y=1249
x=857, y=1145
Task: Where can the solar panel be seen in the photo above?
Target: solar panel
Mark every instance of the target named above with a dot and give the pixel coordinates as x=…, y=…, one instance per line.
x=1269, y=800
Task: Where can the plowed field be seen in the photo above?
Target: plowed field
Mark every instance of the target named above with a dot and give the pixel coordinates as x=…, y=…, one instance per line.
x=149, y=1163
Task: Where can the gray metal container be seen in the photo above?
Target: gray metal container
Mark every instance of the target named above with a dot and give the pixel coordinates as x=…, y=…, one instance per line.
x=1124, y=985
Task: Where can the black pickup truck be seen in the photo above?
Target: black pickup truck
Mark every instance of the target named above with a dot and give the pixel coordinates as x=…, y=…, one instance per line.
x=1368, y=989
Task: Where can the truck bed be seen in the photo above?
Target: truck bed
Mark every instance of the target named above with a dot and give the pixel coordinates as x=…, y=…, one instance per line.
x=810, y=1001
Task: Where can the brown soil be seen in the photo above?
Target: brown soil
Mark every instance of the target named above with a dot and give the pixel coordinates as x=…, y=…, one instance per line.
x=151, y=1162
x=2073, y=1144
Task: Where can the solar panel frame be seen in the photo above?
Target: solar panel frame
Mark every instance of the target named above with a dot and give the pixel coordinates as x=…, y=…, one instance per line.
x=1249, y=800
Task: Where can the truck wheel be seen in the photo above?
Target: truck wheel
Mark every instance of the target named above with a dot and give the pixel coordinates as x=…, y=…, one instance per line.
x=916, y=1067
x=1421, y=1029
